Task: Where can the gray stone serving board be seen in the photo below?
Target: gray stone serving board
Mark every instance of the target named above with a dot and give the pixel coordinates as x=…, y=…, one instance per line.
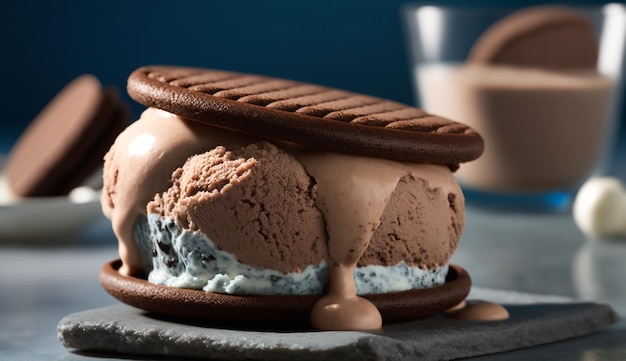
x=535, y=320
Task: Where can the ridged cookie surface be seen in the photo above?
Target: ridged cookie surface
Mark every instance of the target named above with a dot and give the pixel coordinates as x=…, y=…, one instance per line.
x=306, y=114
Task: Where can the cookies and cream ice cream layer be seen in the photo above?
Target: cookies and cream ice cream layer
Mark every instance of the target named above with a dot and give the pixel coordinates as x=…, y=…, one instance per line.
x=247, y=216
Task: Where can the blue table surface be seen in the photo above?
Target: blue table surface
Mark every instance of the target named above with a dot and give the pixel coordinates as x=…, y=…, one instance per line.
x=541, y=253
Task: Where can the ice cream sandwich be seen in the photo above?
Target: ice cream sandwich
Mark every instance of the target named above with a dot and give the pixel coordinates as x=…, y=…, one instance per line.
x=246, y=198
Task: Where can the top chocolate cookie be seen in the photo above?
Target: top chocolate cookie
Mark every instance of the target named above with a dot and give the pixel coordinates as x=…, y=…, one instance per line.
x=306, y=114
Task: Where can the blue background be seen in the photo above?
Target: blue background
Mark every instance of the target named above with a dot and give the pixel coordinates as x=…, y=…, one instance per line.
x=355, y=45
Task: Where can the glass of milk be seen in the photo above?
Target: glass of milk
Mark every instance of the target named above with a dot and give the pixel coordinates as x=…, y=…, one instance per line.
x=545, y=130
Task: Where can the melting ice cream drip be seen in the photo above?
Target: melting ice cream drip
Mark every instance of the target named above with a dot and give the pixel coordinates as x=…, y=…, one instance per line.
x=359, y=190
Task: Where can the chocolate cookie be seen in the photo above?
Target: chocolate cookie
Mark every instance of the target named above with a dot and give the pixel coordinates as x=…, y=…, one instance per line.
x=543, y=37
x=67, y=140
x=305, y=114
x=277, y=311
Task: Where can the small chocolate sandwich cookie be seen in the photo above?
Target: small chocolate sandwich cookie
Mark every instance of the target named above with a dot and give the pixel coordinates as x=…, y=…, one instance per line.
x=552, y=37
x=310, y=115
x=67, y=140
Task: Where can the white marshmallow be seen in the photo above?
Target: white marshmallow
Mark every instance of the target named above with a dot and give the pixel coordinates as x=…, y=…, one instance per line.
x=600, y=207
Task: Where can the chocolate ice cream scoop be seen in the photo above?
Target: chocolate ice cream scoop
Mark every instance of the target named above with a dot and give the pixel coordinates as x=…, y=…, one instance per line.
x=256, y=202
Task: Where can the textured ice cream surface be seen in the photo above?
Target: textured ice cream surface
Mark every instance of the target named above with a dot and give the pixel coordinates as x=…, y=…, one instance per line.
x=188, y=259
x=247, y=220
x=421, y=225
x=256, y=202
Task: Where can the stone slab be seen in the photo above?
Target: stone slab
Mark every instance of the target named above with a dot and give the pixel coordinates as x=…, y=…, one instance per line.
x=535, y=320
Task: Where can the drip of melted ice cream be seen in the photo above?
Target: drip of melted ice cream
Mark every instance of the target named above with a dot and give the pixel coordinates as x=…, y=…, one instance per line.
x=478, y=311
x=139, y=165
x=354, y=192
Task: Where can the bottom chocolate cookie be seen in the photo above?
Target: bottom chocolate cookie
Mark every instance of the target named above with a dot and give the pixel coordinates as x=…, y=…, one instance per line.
x=281, y=310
